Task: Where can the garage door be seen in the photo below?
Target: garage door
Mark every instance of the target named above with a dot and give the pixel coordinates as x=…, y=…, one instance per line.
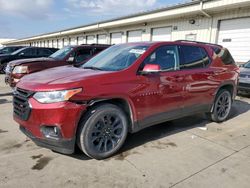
x=161, y=34
x=116, y=38
x=54, y=43
x=81, y=40
x=65, y=42
x=90, y=39
x=102, y=39
x=60, y=43
x=50, y=43
x=135, y=36
x=73, y=41
x=235, y=35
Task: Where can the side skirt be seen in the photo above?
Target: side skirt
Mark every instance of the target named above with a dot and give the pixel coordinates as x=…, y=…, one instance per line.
x=168, y=116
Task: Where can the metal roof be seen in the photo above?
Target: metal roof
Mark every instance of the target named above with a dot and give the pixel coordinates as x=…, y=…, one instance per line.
x=179, y=5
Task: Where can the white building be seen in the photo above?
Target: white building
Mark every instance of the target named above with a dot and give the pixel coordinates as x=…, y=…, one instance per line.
x=2, y=41
x=226, y=22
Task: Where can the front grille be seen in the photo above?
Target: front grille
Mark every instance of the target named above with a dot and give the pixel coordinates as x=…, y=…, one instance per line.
x=244, y=85
x=21, y=104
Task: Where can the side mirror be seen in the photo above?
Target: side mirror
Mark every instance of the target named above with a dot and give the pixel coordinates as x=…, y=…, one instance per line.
x=151, y=68
x=71, y=59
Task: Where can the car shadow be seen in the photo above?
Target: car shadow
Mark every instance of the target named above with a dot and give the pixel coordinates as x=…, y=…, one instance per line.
x=243, y=94
x=5, y=101
x=6, y=94
x=162, y=130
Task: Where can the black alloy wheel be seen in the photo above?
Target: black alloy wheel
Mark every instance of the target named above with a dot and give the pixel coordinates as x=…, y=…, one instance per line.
x=103, y=132
x=222, y=106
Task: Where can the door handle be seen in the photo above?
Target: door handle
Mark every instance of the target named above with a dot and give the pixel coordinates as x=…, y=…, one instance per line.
x=179, y=78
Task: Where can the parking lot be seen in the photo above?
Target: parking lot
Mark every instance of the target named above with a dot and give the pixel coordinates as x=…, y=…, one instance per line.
x=190, y=152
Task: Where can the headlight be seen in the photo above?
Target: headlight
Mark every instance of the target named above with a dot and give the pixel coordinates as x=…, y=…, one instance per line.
x=56, y=96
x=20, y=70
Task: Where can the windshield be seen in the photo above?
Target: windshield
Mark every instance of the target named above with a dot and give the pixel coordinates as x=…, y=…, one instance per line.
x=116, y=58
x=61, y=54
x=5, y=50
x=247, y=65
x=8, y=50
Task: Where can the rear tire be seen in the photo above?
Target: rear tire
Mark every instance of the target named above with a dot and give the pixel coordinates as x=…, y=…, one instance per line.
x=103, y=131
x=221, y=107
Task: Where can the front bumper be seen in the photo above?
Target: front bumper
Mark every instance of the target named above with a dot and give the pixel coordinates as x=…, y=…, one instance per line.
x=64, y=115
x=65, y=146
x=242, y=86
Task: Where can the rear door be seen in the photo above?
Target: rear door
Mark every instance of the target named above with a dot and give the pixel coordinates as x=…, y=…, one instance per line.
x=28, y=53
x=43, y=52
x=197, y=77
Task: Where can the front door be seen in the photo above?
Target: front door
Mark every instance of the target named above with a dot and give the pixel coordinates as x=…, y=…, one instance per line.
x=160, y=96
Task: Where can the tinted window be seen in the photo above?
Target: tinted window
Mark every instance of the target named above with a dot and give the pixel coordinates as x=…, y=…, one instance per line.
x=193, y=57
x=166, y=57
x=217, y=50
x=82, y=54
x=29, y=52
x=226, y=57
x=98, y=50
x=44, y=52
x=8, y=50
x=247, y=65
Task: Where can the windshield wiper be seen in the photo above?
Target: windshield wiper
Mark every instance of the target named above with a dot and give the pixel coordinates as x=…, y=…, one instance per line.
x=93, y=68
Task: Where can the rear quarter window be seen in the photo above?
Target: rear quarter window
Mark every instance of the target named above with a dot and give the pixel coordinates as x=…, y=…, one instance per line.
x=226, y=57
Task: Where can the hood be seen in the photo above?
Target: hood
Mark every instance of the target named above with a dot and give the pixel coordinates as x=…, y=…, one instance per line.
x=58, y=78
x=245, y=70
x=32, y=60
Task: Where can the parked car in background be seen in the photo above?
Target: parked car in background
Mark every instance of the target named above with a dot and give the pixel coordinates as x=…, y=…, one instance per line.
x=124, y=89
x=24, y=53
x=75, y=55
x=244, y=78
x=9, y=49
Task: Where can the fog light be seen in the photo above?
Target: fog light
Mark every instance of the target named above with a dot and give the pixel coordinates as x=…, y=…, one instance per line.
x=53, y=132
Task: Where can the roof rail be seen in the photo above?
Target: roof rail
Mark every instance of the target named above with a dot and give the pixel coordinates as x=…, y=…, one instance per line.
x=93, y=44
x=198, y=42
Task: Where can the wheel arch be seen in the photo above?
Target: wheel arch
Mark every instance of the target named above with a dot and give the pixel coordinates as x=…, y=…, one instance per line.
x=230, y=86
x=124, y=104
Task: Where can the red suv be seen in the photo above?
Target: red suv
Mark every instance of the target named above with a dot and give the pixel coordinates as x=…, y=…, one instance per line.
x=75, y=55
x=123, y=89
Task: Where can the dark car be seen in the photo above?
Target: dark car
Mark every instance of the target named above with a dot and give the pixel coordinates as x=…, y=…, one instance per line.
x=10, y=49
x=244, y=78
x=24, y=53
x=125, y=88
x=75, y=55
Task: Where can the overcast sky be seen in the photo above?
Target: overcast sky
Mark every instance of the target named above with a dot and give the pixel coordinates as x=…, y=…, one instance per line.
x=24, y=18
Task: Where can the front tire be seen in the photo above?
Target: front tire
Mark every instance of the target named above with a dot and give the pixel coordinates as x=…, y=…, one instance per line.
x=222, y=106
x=103, y=131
